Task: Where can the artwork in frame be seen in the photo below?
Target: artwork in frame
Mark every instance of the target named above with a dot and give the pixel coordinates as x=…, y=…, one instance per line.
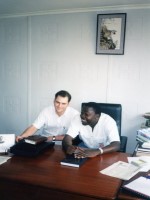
x=111, y=33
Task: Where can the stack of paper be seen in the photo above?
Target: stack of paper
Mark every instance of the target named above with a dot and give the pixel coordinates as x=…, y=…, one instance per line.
x=143, y=149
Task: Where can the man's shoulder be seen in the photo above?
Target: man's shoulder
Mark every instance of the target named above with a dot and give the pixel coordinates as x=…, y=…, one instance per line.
x=105, y=116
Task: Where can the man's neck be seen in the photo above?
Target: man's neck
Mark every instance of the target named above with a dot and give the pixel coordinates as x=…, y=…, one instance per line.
x=60, y=113
x=94, y=124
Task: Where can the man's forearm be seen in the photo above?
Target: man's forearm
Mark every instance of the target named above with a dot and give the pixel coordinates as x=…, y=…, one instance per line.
x=55, y=138
x=114, y=146
x=67, y=142
x=29, y=131
x=59, y=137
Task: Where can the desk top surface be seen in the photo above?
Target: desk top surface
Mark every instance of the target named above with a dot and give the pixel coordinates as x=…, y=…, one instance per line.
x=46, y=171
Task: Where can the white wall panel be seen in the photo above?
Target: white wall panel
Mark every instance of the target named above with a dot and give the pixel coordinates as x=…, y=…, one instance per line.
x=13, y=78
x=63, y=59
x=43, y=54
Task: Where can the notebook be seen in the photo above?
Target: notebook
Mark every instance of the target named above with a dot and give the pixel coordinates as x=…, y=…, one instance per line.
x=6, y=141
x=71, y=161
x=35, y=139
x=139, y=186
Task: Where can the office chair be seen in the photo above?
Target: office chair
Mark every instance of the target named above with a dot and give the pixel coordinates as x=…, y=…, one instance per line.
x=115, y=111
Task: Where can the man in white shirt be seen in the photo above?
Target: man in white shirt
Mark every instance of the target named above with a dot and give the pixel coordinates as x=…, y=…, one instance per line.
x=97, y=130
x=54, y=120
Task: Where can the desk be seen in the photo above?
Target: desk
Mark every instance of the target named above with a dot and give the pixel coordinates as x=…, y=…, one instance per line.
x=44, y=178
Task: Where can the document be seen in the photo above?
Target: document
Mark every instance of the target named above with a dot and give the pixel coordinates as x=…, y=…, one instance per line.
x=123, y=170
x=4, y=159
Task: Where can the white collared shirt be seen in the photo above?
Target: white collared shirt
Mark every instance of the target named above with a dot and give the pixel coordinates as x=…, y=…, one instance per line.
x=52, y=124
x=104, y=132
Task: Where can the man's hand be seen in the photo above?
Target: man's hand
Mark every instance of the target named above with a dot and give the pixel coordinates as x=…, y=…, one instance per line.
x=19, y=137
x=85, y=152
x=71, y=149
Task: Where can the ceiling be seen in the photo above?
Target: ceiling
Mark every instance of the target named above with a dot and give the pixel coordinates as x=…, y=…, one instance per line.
x=27, y=7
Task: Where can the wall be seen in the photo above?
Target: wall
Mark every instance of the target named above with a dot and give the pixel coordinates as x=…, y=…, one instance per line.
x=40, y=55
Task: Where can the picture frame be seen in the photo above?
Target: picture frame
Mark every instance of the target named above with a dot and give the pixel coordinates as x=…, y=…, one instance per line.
x=110, y=37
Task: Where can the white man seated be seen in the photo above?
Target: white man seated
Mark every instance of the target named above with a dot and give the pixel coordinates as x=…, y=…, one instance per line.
x=53, y=120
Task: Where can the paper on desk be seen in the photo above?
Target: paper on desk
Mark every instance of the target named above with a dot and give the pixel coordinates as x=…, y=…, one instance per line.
x=121, y=170
x=146, y=167
x=7, y=140
x=4, y=159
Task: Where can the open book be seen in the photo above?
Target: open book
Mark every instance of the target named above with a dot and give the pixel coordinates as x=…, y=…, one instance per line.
x=124, y=170
x=139, y=186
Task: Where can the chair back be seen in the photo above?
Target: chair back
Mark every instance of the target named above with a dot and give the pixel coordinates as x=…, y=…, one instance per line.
x=113, y=110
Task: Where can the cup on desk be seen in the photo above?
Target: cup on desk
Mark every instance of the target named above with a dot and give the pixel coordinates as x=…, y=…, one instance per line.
x=1, y=139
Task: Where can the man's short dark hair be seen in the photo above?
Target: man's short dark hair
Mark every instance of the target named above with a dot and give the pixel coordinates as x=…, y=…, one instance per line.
x=93, y=105
x=63, y=93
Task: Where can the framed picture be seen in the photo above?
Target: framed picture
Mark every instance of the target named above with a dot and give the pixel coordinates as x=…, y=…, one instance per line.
x=111, y=33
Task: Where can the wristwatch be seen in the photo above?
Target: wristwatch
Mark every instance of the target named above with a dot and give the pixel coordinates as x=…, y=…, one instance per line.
x=54, y=138
x=101, y=150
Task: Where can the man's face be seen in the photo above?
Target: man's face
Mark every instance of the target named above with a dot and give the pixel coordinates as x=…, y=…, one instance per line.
x=88, y=116
x=60, y=104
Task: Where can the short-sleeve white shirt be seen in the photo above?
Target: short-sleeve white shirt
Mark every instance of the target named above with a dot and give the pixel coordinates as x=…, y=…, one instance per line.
x=52, y=124
x=104, y=132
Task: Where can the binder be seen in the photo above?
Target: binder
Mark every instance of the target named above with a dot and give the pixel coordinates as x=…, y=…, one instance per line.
x=25, y=149
x=140, y=186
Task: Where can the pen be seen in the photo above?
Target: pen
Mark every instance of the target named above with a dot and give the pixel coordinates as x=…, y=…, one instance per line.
x=147, y=176
x=136, y=148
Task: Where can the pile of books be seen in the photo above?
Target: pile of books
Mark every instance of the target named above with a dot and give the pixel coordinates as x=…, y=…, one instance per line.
x=143, y=149
x=143, y=138
x=143, y=135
